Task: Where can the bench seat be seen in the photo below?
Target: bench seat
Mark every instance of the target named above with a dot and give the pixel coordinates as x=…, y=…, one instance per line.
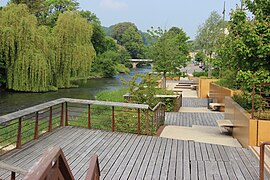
x=225, y=123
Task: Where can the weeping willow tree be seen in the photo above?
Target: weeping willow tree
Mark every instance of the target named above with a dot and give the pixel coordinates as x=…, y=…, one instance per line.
x=74, y=50
x=38, y=60
x=23, y=49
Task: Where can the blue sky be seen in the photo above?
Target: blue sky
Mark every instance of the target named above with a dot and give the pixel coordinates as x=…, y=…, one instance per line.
x=187, y=14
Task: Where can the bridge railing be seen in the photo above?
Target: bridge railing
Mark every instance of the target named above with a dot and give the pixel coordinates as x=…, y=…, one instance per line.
x=21, y=127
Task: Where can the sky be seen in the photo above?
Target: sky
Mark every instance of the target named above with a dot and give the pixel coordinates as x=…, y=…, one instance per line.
x=186, y=14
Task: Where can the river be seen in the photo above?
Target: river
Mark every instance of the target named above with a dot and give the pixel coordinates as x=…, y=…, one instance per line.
x=13, y=101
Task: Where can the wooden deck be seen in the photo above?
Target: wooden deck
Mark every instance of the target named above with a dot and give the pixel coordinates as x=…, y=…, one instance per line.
x=128, y=156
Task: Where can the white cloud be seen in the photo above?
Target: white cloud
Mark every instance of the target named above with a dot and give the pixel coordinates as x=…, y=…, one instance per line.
x=112, y=4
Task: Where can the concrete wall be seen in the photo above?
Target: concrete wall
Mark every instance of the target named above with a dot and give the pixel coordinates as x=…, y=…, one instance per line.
x=249, y=132
x=219, y=93
x=204, y=87
x=240, y=119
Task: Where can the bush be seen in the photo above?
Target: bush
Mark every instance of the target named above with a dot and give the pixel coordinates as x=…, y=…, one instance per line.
x=199, y=74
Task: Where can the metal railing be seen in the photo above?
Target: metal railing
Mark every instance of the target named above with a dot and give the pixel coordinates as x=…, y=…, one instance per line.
x=19, y=128
x=262, y=149
x=261, y=101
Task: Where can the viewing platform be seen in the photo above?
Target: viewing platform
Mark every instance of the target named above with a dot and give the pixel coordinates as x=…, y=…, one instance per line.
x=129, y=156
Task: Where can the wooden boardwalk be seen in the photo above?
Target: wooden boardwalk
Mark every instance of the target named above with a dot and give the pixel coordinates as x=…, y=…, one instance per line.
x=128, y=156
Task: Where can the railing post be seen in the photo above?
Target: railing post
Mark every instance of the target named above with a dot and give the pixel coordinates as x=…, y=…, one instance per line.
x=13, y=175
x=36, y=127
x=66, y=123
x=113, y=123
x=89, y=116
x=147, y=122
x=262, y=146
x=253, y=101
x=139, y=122
x=62, y=115
x=50, y=120
x=19, y=134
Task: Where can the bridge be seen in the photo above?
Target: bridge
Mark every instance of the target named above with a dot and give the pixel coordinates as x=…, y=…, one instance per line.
x=135, y=62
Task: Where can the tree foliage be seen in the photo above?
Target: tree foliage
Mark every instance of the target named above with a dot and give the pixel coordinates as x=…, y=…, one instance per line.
x=170, y=50
x=37, y=59
x=128, y=36
x=246, y=47
x=208, y=35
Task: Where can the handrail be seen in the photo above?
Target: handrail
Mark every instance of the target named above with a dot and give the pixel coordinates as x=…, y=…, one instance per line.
x=52, y=165
x=262, y=148
x=33, y=109
x=12, y=169
x=93, y=172
x=157, y=106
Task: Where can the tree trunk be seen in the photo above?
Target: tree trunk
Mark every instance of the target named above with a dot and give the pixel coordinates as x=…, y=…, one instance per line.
x=209, y=67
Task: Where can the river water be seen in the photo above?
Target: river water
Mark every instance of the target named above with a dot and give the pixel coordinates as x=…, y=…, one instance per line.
x=13, y=101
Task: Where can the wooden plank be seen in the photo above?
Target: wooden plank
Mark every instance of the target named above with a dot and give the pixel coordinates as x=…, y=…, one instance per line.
x=204, y=152
x=160, y=157
x=210, y=152
x=201, y=170
x=166, y=160
x=216, y=152
x=198, y=151
x=147, y=159
x=192, y=153
x=186, y=156
x=173, y=160
x=194, y=171
x=222, y=170
x=98, y=150
x=129, y=158
x=248, y=165
x=137, y=159
x=114, y=159
x=240, y=163
x=152, y=162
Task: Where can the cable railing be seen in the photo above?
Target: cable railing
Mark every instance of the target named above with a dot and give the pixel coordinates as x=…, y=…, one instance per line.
x=261, y=101
x=21, y=127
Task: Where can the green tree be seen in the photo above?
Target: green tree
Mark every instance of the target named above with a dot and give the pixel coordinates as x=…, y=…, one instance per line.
x=169, y=51
x=53, y=8
x=24, y=50
x=200, y=56
x=127, y=35
x=208, y=35
x=74, y=50
x=98, y=38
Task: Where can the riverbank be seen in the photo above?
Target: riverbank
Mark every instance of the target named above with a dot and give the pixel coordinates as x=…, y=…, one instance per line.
x=88, y=89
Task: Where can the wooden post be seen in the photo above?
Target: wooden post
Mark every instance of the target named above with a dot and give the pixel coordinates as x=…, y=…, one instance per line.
x=89, y=116
x=62, y=115
x=19, y=134
x=139, y=122
x=113, y=123
x=147, y=121
x=13, y=175
x=36, y=127
x=66, y=114
x=50, y=120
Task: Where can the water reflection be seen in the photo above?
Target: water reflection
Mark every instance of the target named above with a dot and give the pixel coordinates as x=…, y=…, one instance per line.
x=13, y=101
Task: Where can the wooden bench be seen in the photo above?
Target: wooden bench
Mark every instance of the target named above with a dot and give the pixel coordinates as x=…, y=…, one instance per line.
x=225, y=123
x=216, y=106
